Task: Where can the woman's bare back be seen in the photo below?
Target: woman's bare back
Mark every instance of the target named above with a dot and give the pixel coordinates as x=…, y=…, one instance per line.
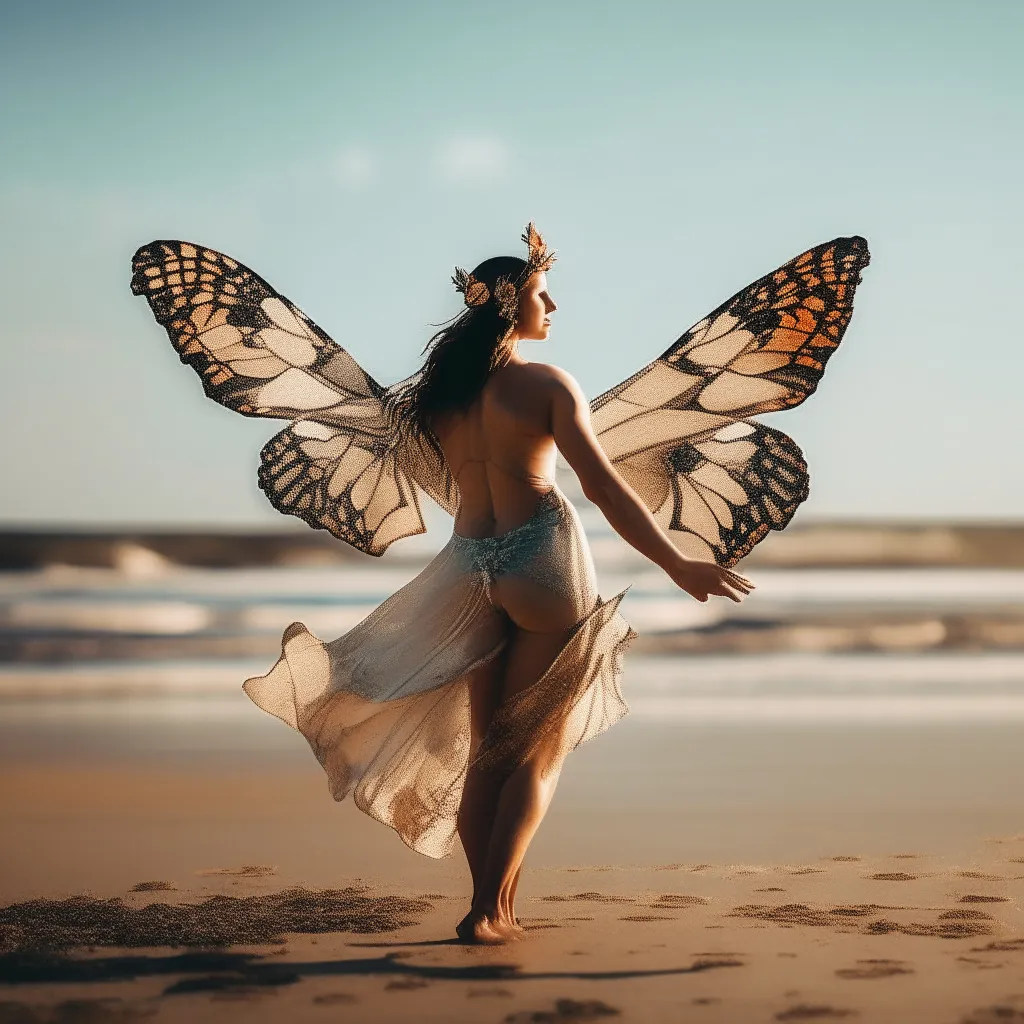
x=501, y=450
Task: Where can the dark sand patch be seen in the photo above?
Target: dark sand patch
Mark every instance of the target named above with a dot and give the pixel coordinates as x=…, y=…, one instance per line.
x=868, y=970
x=152, y=887
x=335, y=999
x=906, y=856
x=234, y=986
x=1001, y=946
x=973, y=897
x=565, y=1010
x=405, y=984
x=807, y=871
x=46, y=925
x=981, y=965
x=674, y=901
x=705, y=1000
x=488, y=993
x=771, y=888
x=588, y=897
x=847, y=859
x=943, y=930
x=642, y=918
x=802, y=913
x=965, y=915
x=981, y=876
x=246, y=871
x=74, y=1011
x=803, y=1011
x=892, y=876
x=1000, y=1013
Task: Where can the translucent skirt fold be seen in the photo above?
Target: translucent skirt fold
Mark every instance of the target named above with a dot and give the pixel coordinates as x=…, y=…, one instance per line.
x=385, y=707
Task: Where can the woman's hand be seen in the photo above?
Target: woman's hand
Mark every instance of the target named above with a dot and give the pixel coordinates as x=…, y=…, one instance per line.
x=706, y=579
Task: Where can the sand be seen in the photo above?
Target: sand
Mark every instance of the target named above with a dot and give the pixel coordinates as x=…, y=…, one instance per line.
x=196, y=873
x=883, y=939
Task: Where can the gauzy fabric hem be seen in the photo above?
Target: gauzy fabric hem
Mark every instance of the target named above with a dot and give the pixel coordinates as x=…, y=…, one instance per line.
x=386, y=708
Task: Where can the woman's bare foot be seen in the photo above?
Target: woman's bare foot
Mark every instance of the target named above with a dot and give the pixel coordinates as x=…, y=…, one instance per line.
x=481, y=930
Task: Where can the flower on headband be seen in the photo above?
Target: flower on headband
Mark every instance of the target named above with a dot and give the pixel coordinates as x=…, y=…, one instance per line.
x=474, y=292
x=507, y=298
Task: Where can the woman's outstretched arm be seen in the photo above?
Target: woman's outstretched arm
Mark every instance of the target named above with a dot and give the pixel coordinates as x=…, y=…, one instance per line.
x=627, y=514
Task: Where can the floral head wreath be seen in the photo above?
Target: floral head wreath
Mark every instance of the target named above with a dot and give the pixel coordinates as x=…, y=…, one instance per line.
x=506, y=293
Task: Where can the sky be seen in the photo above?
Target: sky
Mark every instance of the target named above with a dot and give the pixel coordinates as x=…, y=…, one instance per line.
x=353, y=154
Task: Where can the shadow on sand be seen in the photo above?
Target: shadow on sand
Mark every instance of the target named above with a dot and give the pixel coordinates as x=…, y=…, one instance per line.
x=225, y=971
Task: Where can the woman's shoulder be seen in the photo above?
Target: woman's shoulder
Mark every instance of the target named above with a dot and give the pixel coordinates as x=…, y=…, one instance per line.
x=553, y=376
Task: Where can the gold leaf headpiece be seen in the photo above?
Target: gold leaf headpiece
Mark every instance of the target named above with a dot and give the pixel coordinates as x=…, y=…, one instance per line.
x=506, y=293
x=540, y=258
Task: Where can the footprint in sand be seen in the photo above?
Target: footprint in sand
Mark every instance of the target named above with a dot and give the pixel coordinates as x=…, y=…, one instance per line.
x=892, y=876
x=973, y=897
x=565, y=1010
x=802, y=1011
x=867, y=970
x=335, y=999
x=1001, y=1013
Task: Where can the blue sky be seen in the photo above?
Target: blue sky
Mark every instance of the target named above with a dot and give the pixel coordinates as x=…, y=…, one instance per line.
x=353, y=154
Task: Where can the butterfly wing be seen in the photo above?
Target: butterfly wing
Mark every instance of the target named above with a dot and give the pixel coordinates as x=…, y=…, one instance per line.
x=678, y=430
x=339, y=465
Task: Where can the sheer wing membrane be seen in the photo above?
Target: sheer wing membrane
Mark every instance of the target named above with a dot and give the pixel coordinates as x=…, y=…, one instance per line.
x=340, y=465
x=678, y=431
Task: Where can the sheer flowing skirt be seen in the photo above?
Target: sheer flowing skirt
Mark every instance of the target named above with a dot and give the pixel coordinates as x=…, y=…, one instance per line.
x=385, y=707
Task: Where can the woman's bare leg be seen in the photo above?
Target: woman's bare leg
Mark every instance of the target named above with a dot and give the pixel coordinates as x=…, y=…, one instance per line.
x=480, y=792
x=525, y=795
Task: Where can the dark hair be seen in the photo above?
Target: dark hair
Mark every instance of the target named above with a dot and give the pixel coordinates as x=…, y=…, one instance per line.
x=462, y=355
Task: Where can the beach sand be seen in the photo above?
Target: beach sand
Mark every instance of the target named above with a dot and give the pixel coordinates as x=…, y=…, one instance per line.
x=757, y=872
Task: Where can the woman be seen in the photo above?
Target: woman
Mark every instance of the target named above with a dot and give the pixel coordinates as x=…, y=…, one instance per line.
x=451, y=707
x=498, y=420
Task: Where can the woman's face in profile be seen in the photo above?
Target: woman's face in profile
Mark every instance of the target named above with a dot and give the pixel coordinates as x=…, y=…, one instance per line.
x=535, y=304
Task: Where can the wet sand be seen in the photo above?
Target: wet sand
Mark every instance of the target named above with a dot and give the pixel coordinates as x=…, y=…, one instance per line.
x=721, y=872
